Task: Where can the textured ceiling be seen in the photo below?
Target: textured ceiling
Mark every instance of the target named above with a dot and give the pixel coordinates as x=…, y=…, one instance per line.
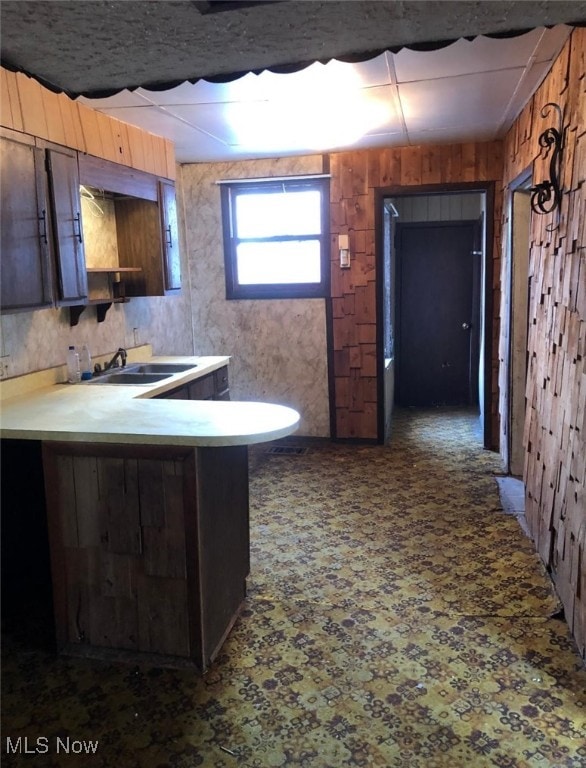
x=91, y=46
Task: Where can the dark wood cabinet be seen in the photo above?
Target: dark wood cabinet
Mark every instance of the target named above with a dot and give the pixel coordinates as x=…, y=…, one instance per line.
x=212, y=386
x=42, y=256
x=221, y=384
x=43, y=260
x=66, y=214
x=146, y=225
x=202, y=389
x=149, y=547
x=170, y=231
x=25, y=239
x=181, y=393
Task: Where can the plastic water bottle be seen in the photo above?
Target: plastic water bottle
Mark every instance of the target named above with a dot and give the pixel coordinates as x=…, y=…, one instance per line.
x=85, y=363
x=73, y=370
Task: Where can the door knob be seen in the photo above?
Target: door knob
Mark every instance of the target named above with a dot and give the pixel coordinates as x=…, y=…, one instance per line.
x=465, y=326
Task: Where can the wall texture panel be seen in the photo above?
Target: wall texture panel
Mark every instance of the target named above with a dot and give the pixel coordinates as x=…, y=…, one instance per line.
x=355, y=177
x=555, y=426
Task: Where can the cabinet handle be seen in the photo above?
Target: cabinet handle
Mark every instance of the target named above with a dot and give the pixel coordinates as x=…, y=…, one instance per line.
x=170, y=240
x=78, y=233
x=43, y=234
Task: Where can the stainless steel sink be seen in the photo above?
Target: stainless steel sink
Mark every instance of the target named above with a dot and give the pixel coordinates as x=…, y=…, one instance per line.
x=141, y=373
x=168, y=368
x=129, y=377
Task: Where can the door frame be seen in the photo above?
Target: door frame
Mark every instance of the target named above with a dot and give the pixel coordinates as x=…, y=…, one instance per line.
x=520, y=184
x=488, y=189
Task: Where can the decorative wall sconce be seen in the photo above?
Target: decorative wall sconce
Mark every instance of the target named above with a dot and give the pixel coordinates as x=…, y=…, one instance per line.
x=344, y=246
x=547, y=196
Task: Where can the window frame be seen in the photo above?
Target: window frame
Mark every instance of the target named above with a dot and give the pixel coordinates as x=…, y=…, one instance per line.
x=229, y=191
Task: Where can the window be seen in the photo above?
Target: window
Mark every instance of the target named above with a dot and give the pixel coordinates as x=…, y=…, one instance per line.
x=276, y=237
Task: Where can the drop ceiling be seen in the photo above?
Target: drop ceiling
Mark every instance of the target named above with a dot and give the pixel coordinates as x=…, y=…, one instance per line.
x=470, y=90
x=391, y=95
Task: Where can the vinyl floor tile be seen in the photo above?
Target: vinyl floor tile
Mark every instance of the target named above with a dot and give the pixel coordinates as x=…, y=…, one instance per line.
x=396, y=617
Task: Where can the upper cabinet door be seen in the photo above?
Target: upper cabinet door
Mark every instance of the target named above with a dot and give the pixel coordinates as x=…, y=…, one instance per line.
x=171, y=255
x=66, y=205
x=25, y=256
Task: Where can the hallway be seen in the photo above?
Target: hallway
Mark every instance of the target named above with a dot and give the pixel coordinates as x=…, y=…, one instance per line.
x=396, y=617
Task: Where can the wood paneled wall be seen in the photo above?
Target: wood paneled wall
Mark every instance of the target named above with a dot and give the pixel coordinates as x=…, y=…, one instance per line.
x=355, y=177
x=555, y=425
x=29, y=108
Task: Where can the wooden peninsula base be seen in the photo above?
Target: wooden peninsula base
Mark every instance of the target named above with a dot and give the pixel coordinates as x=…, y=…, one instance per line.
x=149, y=546
x=125, y=507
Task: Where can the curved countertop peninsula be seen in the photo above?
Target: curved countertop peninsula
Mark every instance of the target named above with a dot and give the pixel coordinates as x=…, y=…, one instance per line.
x=140, y=496
x=138, y=414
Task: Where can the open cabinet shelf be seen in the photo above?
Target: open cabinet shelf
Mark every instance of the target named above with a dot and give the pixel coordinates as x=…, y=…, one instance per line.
x=110, y=270
x=103, y=304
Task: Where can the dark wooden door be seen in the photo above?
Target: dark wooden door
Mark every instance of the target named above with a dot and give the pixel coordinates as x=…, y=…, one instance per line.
x=26, y=274
x=170, y=235
x=435, y=313
x=71, y=269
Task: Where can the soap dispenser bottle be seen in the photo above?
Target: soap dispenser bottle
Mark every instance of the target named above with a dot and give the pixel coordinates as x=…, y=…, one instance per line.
x=85, y=363
x=73, y=370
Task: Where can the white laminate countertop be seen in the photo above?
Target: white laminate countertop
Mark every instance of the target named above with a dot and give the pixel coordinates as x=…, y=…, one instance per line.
x=104, y=413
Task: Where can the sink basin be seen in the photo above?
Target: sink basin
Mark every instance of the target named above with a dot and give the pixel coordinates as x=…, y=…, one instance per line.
x=129, y=377
x=168, y=368
x=141, y=373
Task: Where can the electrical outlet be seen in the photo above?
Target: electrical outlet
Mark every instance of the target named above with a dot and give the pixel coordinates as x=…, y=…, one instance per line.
x=4, y=366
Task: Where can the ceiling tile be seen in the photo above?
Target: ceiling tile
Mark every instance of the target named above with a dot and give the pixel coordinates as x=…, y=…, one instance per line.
x=197, y=147
x=311, y=124
x=186, y=93
x=372, y=72
x=468, y=90
x=527, y=85
x=452, y=135
x=482, y=54
x=383, y=139
x=160, y=123
x=122, y=99
x=246, y=88
x=211, y=118
x=552, y=42
x=334, y=77
x=471, y=99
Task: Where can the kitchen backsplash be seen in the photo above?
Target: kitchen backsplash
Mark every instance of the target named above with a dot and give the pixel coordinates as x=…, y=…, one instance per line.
x=32, y=341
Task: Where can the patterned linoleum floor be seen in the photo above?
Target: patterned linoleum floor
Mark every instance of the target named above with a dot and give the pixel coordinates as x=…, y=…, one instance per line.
x=396, y=617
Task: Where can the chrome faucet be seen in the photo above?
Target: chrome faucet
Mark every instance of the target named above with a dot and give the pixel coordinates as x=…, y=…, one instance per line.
x=113, y=363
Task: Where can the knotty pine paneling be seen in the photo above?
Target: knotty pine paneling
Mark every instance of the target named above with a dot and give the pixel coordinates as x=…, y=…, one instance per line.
x=355, y=177
x=555, y=424
x=28, y=107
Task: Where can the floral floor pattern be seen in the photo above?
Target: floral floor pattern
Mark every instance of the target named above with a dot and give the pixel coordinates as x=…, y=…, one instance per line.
x=396, y=617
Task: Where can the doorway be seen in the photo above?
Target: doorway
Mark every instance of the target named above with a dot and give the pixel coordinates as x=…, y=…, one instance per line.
x=436, y=293
x=515, y=319
x=436, y=314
